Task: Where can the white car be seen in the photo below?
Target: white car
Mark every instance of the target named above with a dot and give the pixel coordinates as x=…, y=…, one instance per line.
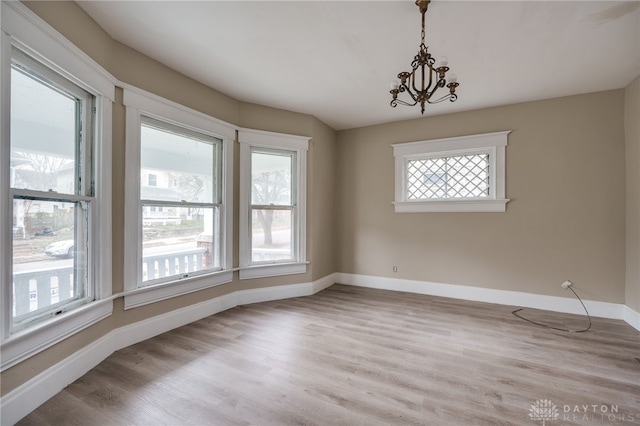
x=62, y=248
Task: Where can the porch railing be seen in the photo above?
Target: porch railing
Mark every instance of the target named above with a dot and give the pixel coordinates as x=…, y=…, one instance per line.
x=38, y=289
x=264, y=254
x=34, y=290
x=168, y=264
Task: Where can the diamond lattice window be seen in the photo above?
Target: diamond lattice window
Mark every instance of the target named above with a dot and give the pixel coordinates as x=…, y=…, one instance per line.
x=460, y=174
x=465, y=176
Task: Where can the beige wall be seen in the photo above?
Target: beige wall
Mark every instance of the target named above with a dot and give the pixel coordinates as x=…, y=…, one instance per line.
x=133, y=68
x=565, y=178
x=322, y=207
x=632, y=156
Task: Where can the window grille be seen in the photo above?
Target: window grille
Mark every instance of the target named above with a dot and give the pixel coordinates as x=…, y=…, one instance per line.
x=465, y=176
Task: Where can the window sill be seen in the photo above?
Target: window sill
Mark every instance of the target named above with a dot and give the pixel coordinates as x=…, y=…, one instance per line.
x=451, y=206
x=156, y=293
x=271, y=270
x=24, y=344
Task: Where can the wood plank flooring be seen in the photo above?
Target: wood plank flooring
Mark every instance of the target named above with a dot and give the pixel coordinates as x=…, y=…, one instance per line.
x=358, y=356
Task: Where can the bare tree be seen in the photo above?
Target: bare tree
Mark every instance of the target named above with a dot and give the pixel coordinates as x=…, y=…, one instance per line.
x=191, y=186
x=38, y=172
x=269, y=188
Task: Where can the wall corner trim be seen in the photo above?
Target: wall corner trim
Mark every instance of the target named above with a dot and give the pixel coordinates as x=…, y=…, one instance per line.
x=31, y=394
x=631, y=317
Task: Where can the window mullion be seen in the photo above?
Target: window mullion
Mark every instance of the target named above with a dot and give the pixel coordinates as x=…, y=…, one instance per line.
x=6, y=201
x=186, y=204
x=446, y=177
x=273, y=207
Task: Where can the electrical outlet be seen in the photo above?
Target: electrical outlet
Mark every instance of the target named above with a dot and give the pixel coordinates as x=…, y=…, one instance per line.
x=395, y=269
x=565, y=285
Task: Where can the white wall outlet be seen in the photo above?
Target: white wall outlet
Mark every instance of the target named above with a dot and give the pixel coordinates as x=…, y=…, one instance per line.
x=565, y=285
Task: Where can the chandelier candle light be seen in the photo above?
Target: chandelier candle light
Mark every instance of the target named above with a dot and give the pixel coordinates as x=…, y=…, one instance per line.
x=424, y=64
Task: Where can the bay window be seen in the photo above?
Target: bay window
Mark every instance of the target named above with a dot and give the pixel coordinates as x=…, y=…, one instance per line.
x=55, y=178
x=272, y=203
x=178, y=185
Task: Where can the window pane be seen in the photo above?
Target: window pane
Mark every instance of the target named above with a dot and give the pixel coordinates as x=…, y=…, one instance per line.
x=179, y=240
x=176, y=167
x=44, y=128
x=271, y=235
x=465, y=176
x=49, y=256
x=271, y=182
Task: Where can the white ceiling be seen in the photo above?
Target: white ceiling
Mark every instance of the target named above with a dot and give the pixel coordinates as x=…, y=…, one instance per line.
x=335, y=59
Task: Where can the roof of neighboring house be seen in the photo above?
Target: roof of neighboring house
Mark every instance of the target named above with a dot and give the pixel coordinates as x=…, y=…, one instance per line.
x=159, y=194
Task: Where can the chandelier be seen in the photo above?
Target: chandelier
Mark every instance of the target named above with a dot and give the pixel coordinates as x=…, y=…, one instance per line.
x=426, y=76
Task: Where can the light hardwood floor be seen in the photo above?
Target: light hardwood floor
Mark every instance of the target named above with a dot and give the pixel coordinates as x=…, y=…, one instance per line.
x=357, y=356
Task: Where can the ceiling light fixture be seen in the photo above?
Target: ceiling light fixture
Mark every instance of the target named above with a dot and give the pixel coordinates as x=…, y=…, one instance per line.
x=424, y=64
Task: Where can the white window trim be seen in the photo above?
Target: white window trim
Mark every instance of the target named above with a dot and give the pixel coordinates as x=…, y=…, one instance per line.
x=139, y=102
x=300, y=144
x=493, y=144
x=24, y=29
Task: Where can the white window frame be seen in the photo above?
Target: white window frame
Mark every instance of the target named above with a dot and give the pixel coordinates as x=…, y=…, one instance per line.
x=29, y=33
x=249, y=138
x=492, y=144
x=138, y=103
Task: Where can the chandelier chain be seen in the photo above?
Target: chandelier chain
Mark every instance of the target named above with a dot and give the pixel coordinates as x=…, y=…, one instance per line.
x=422, y=33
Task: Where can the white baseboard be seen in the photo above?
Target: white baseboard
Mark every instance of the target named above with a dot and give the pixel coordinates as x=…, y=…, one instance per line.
x=27, y=397
x=30, y=395
x=631, y=317
x=501, y=297
x=256, y=295
x=146, y=329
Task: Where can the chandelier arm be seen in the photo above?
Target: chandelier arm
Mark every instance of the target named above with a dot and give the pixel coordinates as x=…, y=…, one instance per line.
x=439, y=84
x=413, y=82
x=443, y=98
x=431, y=82
x=425, y=88
x=413, y=93
x=395, y=102
x=412, y=77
